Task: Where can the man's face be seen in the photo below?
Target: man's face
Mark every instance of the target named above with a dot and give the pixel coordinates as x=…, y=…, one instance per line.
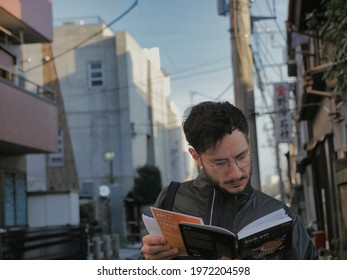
x=230, y=165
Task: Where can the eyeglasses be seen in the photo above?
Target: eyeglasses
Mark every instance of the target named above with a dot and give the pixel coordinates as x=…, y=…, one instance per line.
x=221, y=166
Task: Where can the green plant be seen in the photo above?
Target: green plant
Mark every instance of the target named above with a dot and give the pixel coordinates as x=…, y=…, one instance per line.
x=147, y=184
x=331, y=23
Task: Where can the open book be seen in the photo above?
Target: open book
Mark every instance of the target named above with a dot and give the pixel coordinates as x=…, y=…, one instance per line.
x=263, y=238
x=166, y=224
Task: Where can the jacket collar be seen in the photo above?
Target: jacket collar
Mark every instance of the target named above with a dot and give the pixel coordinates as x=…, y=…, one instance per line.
x=205, y=186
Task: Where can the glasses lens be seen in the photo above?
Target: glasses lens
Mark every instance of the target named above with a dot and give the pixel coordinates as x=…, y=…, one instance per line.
x=244, y=161
x=220, y=166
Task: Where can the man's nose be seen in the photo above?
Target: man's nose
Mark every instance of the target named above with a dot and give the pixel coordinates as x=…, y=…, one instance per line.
x=233, y=170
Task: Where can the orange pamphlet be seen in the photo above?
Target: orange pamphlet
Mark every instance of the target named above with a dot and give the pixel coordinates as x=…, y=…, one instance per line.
x=168, y=222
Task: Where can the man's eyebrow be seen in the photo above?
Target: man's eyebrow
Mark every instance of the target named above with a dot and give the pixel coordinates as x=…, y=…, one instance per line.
x=242, y=153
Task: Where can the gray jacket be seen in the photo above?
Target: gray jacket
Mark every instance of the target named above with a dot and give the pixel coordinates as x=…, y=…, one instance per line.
x=233, y=212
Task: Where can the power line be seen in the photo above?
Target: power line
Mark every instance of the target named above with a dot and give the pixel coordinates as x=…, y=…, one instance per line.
x=201, y=73
x=275, y=19
x=224, y=91
x=265, y=51
x=317, y=104
x=155, y=34
x=143, y=82
x=198, y=66
x=88, y=38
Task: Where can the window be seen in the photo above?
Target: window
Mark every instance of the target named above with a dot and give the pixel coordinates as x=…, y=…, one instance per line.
x=57, y=159
x=95, y=74
x=15, y=199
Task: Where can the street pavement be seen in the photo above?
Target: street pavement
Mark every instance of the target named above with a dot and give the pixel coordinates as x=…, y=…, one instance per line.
x=129, y=253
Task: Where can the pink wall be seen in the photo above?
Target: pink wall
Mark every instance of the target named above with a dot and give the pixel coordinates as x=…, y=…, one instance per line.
x=35, y=13
x=26, y=120
x=6, y=59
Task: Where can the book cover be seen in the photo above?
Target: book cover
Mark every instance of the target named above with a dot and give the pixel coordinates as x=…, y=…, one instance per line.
x=208, y=242
x=267, y=243
x=265, y=237
x=168, y=223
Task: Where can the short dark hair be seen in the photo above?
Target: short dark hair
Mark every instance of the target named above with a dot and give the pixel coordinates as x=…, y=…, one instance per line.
x=206, y=123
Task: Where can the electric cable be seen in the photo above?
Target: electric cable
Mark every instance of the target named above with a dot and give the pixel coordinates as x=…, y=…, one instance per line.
x=87, y=39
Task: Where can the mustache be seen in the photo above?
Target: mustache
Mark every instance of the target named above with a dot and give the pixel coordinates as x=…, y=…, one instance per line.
x=231, y=182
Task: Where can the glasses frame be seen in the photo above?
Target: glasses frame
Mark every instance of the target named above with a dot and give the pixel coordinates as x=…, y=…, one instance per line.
x=228, y=162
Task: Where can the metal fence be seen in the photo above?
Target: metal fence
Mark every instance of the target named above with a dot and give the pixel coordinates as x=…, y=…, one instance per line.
x=44, y=243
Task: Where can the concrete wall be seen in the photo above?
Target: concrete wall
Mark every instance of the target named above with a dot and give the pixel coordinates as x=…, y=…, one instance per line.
x=44, y=208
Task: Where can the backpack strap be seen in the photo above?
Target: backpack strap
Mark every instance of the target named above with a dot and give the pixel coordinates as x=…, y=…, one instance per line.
x=169, y=199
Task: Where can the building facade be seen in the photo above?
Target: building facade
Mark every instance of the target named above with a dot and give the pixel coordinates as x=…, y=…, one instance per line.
x=320, y=155
x=114, y=96
x=28, y=110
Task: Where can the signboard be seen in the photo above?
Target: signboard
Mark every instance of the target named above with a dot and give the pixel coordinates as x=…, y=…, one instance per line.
x=282, y=116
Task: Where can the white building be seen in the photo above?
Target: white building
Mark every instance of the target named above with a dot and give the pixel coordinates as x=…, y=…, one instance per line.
x=114, y=96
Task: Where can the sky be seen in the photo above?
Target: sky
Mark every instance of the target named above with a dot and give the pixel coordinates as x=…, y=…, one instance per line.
x=195, y=49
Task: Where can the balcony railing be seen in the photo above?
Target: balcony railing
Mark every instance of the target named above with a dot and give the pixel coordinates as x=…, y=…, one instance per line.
x=18, y=79
x=44, y=243
x=7, y=36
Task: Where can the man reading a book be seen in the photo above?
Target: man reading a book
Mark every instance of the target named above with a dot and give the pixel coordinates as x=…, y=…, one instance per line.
x=218, y=138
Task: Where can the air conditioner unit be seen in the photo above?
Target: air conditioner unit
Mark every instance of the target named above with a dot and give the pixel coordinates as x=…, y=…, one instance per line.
x=87, y=189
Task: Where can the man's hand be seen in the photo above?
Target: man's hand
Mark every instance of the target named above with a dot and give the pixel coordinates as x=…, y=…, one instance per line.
x=155, y=248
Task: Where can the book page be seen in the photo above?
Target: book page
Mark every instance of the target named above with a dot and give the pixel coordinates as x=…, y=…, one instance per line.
x=210, y=228
x=151, y=225
x=168, y=223
x=275, y=218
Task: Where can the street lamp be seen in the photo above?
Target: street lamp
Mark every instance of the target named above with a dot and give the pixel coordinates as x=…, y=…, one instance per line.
x=109, y=156
x=104, y=193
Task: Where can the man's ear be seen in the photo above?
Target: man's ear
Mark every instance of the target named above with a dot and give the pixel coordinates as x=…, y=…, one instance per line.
x=195, y=156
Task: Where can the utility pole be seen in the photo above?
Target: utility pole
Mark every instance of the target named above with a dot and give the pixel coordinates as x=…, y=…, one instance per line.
x=242, y=60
